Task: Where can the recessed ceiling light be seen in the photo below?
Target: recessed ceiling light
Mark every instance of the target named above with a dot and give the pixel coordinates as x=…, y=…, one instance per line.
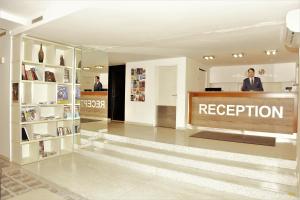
x=271, y=52
x=99, y=67
x=86, y=68
x=208, y=57
x=238, y=55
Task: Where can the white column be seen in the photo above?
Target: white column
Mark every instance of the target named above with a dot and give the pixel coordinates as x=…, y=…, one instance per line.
x=298, y=130
x=5, y=93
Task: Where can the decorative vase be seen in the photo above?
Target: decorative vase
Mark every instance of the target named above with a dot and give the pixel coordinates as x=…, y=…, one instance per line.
x=41, y=54
x=62, y=61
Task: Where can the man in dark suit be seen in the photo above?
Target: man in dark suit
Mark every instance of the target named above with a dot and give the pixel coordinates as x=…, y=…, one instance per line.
x=252, y=83
x=98, y=84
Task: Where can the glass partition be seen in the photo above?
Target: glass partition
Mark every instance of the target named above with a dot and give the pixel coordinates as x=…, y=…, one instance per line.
x=91, y=92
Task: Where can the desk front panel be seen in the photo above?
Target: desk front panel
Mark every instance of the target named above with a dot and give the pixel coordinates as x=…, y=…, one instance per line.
x=266, y=112
x=94, y=104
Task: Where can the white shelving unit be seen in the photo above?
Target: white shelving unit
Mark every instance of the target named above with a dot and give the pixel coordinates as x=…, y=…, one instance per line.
x=43, y=115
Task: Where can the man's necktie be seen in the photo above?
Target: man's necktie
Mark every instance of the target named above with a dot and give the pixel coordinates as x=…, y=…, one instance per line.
x=252, y=81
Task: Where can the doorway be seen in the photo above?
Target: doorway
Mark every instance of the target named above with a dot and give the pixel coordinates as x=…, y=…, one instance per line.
x=116, y=92
x=167, y=96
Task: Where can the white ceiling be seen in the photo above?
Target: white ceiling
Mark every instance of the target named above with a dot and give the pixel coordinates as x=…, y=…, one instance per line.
x=138, y=30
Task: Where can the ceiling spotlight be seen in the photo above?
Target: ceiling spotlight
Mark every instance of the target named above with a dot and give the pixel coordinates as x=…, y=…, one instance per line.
x=99, y=67
x=271, y=52
x=208, y=57
x=86, y=68
x=238, y=55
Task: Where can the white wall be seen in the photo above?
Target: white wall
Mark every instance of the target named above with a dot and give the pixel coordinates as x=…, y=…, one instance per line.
x=145, y=112
x=196, y=80
x=275, y=79
x=5, y=51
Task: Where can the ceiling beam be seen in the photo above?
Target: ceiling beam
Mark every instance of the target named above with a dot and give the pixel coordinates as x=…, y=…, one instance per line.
x=13, y=18
x=55, y=11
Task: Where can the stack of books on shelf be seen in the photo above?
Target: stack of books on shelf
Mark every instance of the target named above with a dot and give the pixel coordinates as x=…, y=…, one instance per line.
x=49, y=117
x=29, y=114
x=63, y=131
x=38, y=136
x=66, y=76
x=46, y=102
x=30, y=73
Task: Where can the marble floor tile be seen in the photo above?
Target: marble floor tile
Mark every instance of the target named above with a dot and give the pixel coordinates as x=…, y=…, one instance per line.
x=96, y=180
x=37, y=195
x=285, y=150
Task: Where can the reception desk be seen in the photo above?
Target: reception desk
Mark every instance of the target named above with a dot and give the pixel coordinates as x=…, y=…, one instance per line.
x=93, y=104
x=253, y=111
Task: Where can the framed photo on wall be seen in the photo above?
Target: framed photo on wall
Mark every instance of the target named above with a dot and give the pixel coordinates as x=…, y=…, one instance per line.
x=138, y=78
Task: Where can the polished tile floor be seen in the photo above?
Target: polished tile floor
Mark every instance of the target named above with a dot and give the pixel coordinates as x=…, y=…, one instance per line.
x=20, y=184
x=285, y=144
x=97, y=180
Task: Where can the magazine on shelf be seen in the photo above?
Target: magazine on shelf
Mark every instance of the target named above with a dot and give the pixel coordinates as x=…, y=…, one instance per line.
x=23, y=118
x=15, y=92
x=29, y=114
x=41, y=148
x=25, y=136
x=24, y=76
x=62, y=94
x=76, y=113
x=36, y=73
x=67, y=112
x=43, y=152
x=30, y=73
x=77, y=94
x=77, y=128
x=49, y=76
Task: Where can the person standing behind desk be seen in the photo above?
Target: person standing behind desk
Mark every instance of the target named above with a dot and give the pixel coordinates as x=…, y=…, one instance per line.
x=252, y=83
x=98, y=84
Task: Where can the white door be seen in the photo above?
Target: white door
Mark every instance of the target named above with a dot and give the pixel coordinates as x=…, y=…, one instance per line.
x=166, y=98
x=167, y=86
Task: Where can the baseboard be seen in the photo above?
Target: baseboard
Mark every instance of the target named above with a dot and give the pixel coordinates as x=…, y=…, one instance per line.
x=139, y=123
x=4, y=157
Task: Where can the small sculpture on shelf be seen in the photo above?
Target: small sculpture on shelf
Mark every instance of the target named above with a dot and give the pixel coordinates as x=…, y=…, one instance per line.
x=79, y=65
x=62, y=61
x=41, y=54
